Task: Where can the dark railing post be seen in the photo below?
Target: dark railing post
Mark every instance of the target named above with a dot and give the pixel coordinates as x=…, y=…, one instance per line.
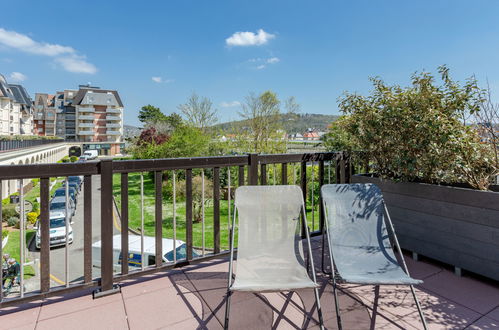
x=348, y=166
x=284, y=173
x=216, y=210
x=124, y=223
x=321, y=183
x=158, y=208
x=241, y=176
x=44, y=224
x=338, y=167
x=106, y=228
x=87, y=228
x=263, y=174
x=303, y=184
x=253, y=169
x=188, y=212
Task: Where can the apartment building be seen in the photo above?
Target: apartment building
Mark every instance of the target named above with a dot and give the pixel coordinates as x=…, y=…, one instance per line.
x=44, y=115
x=16, y=109
x=99, y=119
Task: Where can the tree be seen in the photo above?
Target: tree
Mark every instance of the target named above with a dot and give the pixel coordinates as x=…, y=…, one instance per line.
x=199, y=112
x=262, y=114
x=291, y=106
x=337, y=137
x=150, y=114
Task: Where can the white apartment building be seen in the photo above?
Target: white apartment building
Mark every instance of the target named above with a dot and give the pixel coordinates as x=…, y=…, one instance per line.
x=16, y=110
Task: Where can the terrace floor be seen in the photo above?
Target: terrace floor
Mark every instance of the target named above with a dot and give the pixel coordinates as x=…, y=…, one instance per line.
x=193, y=298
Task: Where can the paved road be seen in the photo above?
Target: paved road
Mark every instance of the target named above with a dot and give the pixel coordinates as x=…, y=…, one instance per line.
x=75, y=250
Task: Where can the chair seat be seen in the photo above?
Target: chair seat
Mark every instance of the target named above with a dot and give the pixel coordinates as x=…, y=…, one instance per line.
x=370, y=265
x=273, y=286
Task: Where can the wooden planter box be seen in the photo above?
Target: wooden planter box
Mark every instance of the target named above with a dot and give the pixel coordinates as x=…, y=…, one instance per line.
x=458, y=226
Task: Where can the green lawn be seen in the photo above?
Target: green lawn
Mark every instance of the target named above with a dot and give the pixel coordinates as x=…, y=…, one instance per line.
x=149, y=226
x=13, y=248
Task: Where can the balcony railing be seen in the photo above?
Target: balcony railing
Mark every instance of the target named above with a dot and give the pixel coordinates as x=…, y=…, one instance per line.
x=250, y=169
x=110, y=125
x=113, y=118
x=86, y=109
x=9, y=145
x=86, y=117
x=113, y=110
x=85, y=132
x=111, y=132
x=86, y=125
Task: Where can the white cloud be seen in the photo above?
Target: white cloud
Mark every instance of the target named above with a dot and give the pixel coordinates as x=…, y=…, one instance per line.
x=260, y=67
x=273, y=60
x=230, y=104
x=249, y=38
x=17, y=76
x=160, y=80
x=24, y=43
x=76, y=64
x=67, y=57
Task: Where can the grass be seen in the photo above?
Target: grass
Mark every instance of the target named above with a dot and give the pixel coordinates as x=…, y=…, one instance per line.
x=134, y=210
x=13, y=248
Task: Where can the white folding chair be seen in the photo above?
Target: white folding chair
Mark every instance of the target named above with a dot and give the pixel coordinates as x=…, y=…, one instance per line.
x=359, y=244
x=269, y=251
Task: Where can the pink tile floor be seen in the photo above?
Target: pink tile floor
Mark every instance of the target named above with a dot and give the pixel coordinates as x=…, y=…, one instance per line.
x=194, y=298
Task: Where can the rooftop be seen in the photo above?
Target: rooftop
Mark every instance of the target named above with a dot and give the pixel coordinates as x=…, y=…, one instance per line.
x=193, y=298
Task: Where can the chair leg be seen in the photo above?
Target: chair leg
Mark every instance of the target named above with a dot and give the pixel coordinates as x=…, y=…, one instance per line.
x=227, y=310
x=421, y=315
x=375, y=307
x=319, y=309
x=336, y=303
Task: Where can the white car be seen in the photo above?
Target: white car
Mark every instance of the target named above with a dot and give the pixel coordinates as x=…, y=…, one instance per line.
x=134, y=252
x=57, y=230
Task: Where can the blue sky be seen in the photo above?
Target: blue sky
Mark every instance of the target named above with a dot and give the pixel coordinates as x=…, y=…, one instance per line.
x=313, y=50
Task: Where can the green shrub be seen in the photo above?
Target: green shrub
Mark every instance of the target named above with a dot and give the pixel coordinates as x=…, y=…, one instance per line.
x=32, y=217
x=73, y=159
x=5, y=233
x=8, y=212
x=417, y=133
x=35, y=182
x=13, y=222
x=65, y=159
x=36, y=207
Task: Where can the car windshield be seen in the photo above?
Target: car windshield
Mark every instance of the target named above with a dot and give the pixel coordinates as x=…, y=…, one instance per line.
x=181, y=253
x=62, y=192
x=57, y=222
x=57, y=206
x=74, y=179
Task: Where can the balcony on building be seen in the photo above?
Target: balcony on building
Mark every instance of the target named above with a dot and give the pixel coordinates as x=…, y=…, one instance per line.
x=86, y=124
x=86, y=109
x=112, y=132
x=111, y=125
x=86, y=117
x=113, y=110
x=86, y=132
x=113, y=118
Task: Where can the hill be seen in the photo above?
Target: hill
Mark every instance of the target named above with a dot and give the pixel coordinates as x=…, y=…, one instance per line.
x=291, y=123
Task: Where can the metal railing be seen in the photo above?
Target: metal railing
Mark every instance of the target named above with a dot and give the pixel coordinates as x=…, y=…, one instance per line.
x=309, y=171
x=9, y=145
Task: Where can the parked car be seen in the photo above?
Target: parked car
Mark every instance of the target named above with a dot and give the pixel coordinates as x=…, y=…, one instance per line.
x=73, y=185
x=134, y=253
x=82, y=159
x=62, y=192
x=76, y=179
x=91, y=154
x=59, y=204
x=57, y=231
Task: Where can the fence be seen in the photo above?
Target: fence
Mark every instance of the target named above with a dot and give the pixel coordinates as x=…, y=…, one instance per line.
x=310, y=171
x=7, y=145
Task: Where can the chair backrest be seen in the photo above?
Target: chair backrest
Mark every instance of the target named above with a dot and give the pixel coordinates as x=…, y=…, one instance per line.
x=355, y=216
x=269, y=218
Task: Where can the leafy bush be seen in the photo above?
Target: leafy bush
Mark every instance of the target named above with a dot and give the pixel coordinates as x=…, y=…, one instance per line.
x=13, y=222
x=32, y=217
x=8, y=212
x=73, y=159
x=197, y=200
x=418, y=133
x=65, y=159
x=36, y=207
x=5, y=233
